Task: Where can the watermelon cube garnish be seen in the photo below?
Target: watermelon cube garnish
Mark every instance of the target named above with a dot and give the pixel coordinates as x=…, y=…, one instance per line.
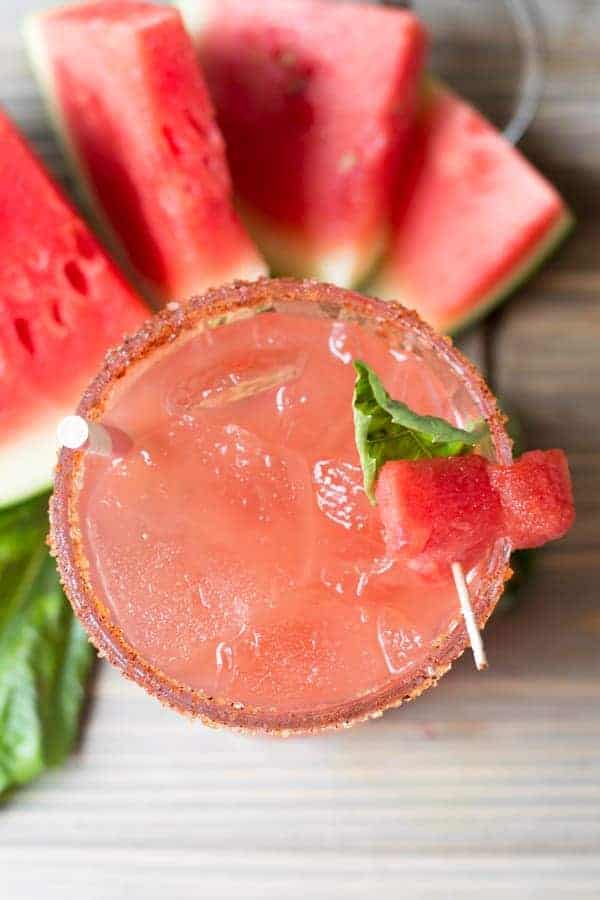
x=438, y=511
x=316, y=100
x=441, y=503
x=536, y=496
x=131, y=107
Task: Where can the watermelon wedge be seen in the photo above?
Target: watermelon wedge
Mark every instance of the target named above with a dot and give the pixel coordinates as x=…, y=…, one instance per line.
x=475, y=221
x=316, y=101
x=62, y=304
x=129, y=102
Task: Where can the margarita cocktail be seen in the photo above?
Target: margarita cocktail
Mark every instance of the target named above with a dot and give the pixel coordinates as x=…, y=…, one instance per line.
x=225, y=554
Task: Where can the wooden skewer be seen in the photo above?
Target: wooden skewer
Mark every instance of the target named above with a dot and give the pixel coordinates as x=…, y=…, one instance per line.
x=76, y=433
x=469, y=617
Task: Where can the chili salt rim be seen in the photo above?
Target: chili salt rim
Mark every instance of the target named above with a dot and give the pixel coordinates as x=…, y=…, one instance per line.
x=66, y=541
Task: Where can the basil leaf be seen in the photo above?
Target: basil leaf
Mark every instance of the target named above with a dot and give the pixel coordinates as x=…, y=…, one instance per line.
x=387, y=429
x=45, y=657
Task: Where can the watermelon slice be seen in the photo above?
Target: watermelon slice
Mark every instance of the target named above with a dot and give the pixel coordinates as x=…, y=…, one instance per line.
x=439, y=511
x=131, y=107
x=536, y=496
x=62, y=304
x=476, y=220
x=316, y=101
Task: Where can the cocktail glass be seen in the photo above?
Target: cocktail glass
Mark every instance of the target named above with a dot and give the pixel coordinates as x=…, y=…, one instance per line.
x=311, y=652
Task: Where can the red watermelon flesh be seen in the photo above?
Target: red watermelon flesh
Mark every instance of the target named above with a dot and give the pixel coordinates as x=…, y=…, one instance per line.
x=536, y=497
x=316, y=101
x=438, y=511
x=62, y=304
x=131, y=106
x=474, y=222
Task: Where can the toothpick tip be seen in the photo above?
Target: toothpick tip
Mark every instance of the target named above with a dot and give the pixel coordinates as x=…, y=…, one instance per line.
x=469, y=617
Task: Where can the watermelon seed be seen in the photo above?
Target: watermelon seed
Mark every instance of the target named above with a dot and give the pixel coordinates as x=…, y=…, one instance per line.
x=75, y=277
x=57, y=315
x=170, y=139
x=195, y=124
x=24, y=335
x=85, y=245
x=287, y=58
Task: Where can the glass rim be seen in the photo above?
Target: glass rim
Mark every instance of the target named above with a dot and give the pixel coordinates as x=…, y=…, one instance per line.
x=531, y=39
x=219, y=307
x=529, y=28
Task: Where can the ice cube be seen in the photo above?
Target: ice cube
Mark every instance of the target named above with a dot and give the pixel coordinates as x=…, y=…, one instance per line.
x=340, y=493
x=233, y=380
x=400, y=642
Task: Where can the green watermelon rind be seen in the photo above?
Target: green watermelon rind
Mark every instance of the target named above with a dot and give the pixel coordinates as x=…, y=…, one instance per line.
x=248, y=270
x=507, y=286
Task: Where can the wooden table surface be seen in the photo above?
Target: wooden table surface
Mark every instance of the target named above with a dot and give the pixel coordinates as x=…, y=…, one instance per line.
x=488, y=786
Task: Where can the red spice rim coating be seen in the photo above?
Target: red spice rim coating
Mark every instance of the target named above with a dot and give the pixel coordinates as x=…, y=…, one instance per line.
x=65, y=536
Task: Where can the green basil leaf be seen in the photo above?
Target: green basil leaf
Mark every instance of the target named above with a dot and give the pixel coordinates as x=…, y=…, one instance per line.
x=387, y=429
x=45, y=657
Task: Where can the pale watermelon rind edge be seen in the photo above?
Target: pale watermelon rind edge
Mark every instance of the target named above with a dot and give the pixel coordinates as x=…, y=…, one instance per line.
x=194, y=14
x=348, y=265
x=27, y=462
x=37, y=488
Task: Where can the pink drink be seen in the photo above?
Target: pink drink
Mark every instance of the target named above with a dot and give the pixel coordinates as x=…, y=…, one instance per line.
x=233, y=545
